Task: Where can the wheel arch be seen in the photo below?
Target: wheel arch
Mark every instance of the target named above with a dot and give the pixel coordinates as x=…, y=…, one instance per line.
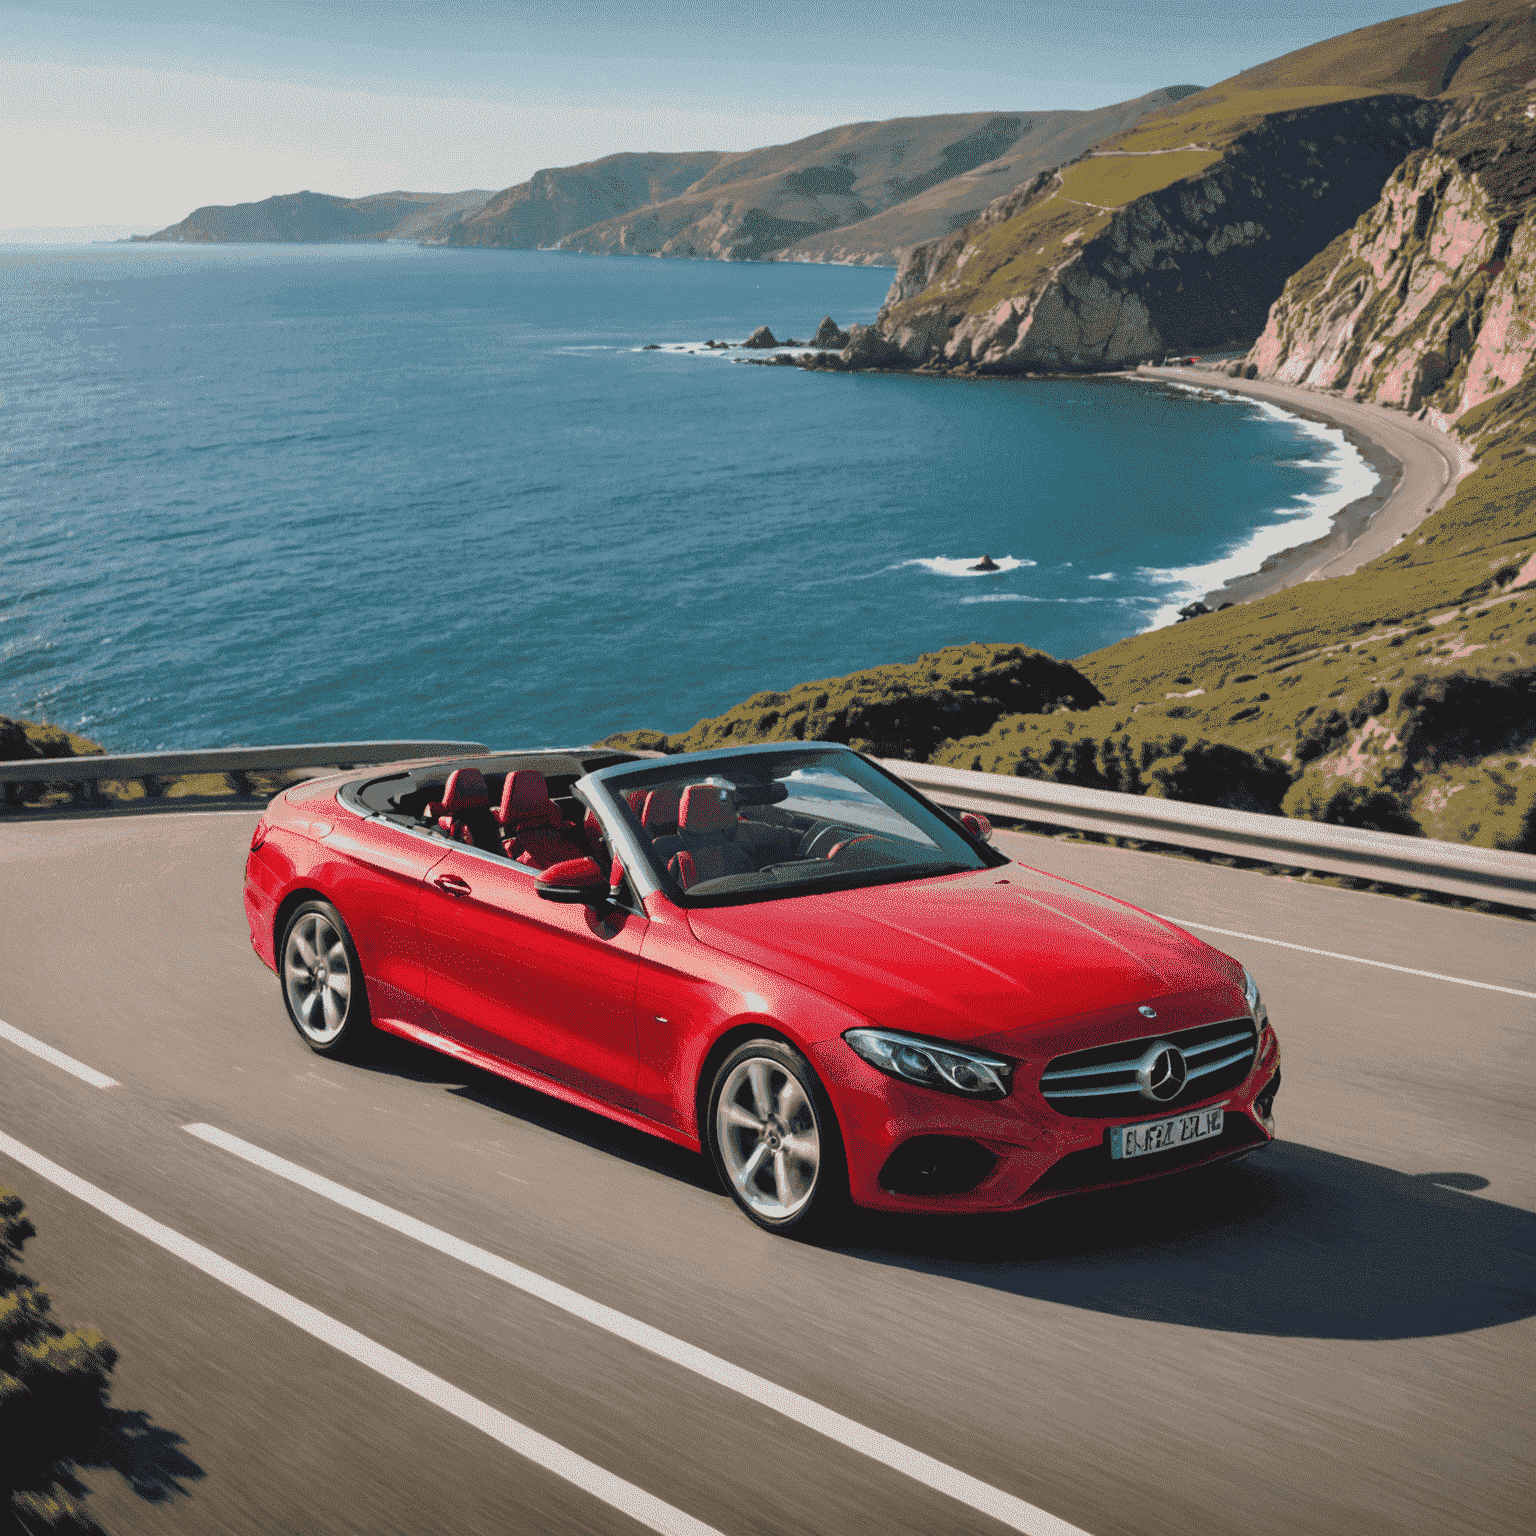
x=723, y=1045
x=285, y=910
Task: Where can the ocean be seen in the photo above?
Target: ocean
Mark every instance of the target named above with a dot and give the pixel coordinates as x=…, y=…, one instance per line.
x=263, y=494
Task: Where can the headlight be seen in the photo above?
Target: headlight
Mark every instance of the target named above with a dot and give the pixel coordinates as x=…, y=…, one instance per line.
x=946, y=1067
x=1256, y=1008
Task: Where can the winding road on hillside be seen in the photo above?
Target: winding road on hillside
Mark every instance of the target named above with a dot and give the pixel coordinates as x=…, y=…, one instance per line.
x=413, y=1298
x=1423, y=467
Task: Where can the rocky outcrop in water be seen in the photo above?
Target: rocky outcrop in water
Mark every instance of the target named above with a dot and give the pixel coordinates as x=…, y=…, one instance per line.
x=1429, y=302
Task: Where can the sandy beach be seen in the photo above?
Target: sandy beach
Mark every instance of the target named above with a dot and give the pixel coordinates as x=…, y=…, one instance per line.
x=1417, y=466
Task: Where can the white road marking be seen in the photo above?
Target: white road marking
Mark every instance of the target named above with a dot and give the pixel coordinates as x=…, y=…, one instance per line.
x=58, y=1058
x=1407, y=970
x=847, y=1432
x=641, y=1506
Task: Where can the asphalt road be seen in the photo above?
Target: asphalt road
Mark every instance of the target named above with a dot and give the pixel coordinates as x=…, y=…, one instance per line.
x=1335, y=1336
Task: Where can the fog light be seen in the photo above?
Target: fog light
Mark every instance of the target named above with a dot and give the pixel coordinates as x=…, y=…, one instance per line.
x=1264, y=1105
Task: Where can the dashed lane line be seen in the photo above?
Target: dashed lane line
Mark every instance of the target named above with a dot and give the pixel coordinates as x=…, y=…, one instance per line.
x=641, y=1506
x=960, y=1486
x=1328, y=954
x=57, y=1058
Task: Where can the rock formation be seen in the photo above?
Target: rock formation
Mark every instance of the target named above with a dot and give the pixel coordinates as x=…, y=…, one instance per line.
x=1429, y=302
x=761, y=337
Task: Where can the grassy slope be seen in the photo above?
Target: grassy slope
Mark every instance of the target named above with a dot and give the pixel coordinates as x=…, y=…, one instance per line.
x=1413, y=55
x=1316, y=675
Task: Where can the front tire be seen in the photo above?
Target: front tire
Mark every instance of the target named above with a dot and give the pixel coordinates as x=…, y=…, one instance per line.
x=775, y=1139
x=322, y=982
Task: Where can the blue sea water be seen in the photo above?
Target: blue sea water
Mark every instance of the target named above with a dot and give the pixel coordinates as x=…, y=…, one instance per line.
x=277, y=493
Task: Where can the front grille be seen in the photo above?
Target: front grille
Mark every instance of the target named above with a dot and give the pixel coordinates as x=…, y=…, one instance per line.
x=1100, y=1084
x=1094, y=1167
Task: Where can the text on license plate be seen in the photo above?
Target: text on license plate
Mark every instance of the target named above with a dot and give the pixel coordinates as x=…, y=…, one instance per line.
x=1164, y=1135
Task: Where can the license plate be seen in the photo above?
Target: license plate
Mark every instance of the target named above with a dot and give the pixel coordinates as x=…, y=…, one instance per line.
x=1165, y=1135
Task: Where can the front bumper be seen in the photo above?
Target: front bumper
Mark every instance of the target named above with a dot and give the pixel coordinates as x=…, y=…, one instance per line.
x=912, y=1149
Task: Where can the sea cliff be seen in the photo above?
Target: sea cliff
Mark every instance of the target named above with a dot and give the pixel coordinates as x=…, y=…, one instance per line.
x=1429, y=302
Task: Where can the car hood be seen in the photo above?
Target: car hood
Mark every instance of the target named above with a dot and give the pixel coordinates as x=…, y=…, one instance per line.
x=969, y=955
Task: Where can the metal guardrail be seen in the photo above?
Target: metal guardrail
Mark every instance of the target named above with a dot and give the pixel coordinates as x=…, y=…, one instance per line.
x=1481, y=874
x=155, y=769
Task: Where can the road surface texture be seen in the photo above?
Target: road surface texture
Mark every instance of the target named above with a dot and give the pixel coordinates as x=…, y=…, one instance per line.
x=1332, y=1337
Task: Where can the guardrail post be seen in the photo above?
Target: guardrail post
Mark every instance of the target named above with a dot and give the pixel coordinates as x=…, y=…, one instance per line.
x=154, y=786
x=241, y=783
x=12, y=793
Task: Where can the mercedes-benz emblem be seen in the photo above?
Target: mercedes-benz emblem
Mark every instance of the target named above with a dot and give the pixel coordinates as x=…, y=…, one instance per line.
x=1147, y=1013
x=1161, y=1072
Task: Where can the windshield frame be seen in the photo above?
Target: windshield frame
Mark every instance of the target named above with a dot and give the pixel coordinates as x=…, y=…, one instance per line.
x=603, y=790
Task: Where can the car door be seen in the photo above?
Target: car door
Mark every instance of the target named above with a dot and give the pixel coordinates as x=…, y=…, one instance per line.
x=375, y=872
x=545, y=986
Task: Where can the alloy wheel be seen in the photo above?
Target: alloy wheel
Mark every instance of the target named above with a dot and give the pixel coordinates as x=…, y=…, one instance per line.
x=769, y=1140
x=318, y=978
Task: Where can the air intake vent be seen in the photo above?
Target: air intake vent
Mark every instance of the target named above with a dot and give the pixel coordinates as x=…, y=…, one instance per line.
x=1100, y=1084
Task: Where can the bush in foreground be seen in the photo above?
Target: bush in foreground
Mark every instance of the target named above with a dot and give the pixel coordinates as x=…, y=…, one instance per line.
x=904, y=710
x=53, y=1391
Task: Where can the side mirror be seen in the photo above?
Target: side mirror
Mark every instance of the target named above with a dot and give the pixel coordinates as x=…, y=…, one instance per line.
x=977, y=825
x=574, y=882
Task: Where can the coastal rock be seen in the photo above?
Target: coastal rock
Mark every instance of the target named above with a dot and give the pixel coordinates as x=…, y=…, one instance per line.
x=867, y=348
x=1050, y=280
x=1427, y=303
x=829, y=334
x=761, y=337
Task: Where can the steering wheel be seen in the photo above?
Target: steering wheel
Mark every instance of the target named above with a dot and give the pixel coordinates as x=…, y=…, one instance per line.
x=863, y=837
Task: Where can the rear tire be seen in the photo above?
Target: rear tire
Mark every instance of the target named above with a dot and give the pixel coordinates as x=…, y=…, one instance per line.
x=322, y=982
x=775, y=1140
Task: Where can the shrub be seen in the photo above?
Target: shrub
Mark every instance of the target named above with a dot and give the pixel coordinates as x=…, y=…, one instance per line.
x=1316, y=798
x=904, y=710
x=1212, y=773
x=53, y=1390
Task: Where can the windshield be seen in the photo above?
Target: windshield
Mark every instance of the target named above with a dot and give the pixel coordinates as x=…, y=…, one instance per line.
x=764, y=825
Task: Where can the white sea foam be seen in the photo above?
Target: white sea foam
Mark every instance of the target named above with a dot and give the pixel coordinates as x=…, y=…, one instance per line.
x=1309, y=517
x=947, y=565
x=1023, y=597
x=1103, y=576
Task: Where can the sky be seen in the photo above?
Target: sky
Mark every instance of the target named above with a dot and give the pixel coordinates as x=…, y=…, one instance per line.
x=128, y=114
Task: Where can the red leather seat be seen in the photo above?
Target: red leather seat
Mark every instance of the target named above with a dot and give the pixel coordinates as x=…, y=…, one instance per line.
x=532, y=830
x=464, y=811
x=706, y=829
x=659, y=813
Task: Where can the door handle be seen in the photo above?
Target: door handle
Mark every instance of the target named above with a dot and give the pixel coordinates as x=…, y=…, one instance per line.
x=452, y=884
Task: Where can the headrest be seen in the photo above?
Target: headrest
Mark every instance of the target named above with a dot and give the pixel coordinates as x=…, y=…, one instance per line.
x=636, y=798
x=706, y=808
x=524, y=799
x=466, y=791
x=660, y=813
x=592, y=827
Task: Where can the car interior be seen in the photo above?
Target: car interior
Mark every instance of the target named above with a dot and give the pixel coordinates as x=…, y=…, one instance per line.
x=709, y=835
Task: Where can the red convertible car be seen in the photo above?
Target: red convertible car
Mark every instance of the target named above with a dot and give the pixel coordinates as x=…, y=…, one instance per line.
x=780, y=954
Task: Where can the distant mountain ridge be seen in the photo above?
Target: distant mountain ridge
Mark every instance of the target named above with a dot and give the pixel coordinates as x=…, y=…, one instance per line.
x=857, y=193
x=318, y=217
